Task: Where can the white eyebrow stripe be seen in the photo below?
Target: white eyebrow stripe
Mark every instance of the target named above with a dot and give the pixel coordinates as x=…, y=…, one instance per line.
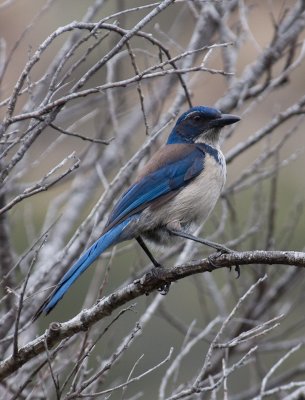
x=190, y=114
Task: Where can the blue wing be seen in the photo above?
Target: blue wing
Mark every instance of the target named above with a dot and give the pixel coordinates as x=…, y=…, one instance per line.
x=181, y=165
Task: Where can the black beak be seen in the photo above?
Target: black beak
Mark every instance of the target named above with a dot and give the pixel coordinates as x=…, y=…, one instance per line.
x=225, y=119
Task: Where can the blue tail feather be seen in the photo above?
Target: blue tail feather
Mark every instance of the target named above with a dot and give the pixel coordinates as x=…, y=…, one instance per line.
x=109, y=238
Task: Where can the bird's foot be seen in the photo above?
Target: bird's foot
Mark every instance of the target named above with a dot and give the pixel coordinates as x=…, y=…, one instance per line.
x=224, y=250
x=237, y=270
x=212, y=258
x=164, y=288
x=156, y=272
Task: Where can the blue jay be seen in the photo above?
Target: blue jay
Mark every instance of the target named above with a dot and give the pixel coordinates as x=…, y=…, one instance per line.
x=177, y=188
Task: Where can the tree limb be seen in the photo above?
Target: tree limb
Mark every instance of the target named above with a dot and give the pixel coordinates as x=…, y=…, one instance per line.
x=149, y=283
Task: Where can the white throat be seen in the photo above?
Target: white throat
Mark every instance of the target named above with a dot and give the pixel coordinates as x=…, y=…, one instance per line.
x=210, y=137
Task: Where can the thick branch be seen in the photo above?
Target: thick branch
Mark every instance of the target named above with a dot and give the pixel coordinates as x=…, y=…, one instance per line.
x=149, y=283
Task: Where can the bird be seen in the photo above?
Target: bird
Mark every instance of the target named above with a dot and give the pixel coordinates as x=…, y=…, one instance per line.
x=174, y=192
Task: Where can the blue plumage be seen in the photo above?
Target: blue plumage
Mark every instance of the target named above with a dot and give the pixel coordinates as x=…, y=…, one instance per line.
x=178, y=186
x=171, y=176
x=108, y=239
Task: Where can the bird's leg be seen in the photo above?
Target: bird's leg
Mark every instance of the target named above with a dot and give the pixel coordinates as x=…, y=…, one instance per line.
x=148, y=253
x=219, y=247
x=164, y=288
x=186, y=235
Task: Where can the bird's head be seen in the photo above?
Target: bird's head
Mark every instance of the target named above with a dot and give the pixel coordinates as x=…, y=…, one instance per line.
x=200, y=124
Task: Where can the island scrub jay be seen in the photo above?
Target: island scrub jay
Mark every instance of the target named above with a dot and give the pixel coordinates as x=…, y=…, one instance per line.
x=176, y=189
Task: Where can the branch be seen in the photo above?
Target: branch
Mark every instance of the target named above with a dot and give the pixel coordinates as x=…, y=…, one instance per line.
x=43, y=185
x=111, y=85
x=147, y=284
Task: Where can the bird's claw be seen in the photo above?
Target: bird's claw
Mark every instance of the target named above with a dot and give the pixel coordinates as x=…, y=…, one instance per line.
x=211, y=259
x=237, y=270
x=219, y=252
x=156, y=272
x=164, y=288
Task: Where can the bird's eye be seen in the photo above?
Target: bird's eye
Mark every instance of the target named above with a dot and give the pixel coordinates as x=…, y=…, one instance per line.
x=196, y=118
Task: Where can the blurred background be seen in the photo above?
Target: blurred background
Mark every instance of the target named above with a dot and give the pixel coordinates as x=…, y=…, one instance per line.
x=64, y=165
